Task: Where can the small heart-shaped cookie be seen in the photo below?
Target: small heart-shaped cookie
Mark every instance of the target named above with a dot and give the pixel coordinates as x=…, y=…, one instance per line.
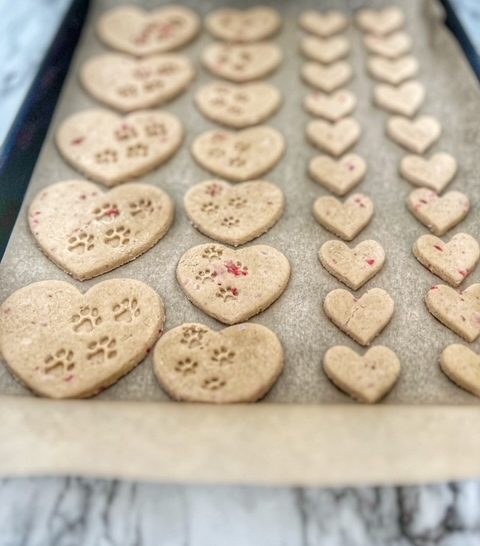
x=392, y=46
x=141, y=33
x=405, y=99
x=237, y=364
x=233, y=285
x=457, y=310
x=452, y=261
x=416, y=135
x=338, y=175
x=239, y=156
x=462, y=366
x=242, y=62
x=439, y=214
x=366, y=378
x=434, y=172
x=393, y=71
x=64, y=344
x=347, y=219
x=360, y=318
x=354, y=267
x=128, y=84
x=249, y=25
x=334, y=138
x=234, y=214
x=325, y=50
x=382, y=21
x=238, y=105
x=323, y=24
x=331, y=107
x=111, y=149
x=327, y=77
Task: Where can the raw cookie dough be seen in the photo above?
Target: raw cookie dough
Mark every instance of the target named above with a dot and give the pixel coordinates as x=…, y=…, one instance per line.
x=331, y=107
x=338, y=175
x=405, y=99
x=393, y=71
x=415, y=135
x=462, y=365
x=323, y=24
x=248, y=25
x=325, y=50
x=334, y=138
x=434, y=172
x=327, y=77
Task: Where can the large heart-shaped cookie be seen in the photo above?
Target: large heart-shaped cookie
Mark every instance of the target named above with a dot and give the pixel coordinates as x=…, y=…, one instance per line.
x=65, y=344
x=392, y=46
x=141, y=33
x=405, y=99
x=233, y=285
x=382, y=21
x=457, y=310
x=325, y=50
x=334, y=138
x=240, y=156
x=434, y=172
x=345, y=219
x=242, y=62
x=416, y=135
x=338, y=175
x=452, y=261
x=249, y=25
x=87, y=232
x=352, y=266
x=360, y=318
x=462, y=366
x=237, y=364
x=238, y=105
x=327, y=77
x=111, y=149
x=331, y=107
x=366, y=378
x=393, y=71
x=323, y=24
x=129, y=84
x=439, y=214
x=234, y=214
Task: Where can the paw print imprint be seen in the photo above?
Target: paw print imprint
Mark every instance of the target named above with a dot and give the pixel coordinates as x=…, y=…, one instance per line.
x=58, y=363
x=117, y=236
x=81, y=242
x=186, y=366
x=242, y=146
x=237, y=202
x=127, y=91
x=153, y=85
x=137, y=150
x=126, y=310
x=107, y=211
x=217, y=101
x=101, y=350
x=156, y=129
x=213, y=383
x=86, y=320
x=237, y=161
x=235, y=110
x=227, y=293
x=236, y=268
x=213, y=189
x=230, y=221
x=167, y=69
x=209, y=207
x=206, y=276
x=241, y=97
x=106, y=156
x=212, y=253
x=223, y=356
x=216, y=152
x=192, y=336
x=125, y=132
x=141, y=208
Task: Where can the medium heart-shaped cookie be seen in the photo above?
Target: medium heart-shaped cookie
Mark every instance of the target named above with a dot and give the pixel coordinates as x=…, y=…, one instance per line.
x=345, y=219
x=457, y=310
x=323, y=24
x=360, y=318
x=87, y=232
x=338, y=175
x=141, y=33
x=354, y=267
x=128, y=84
x=238, y=105
x=405, y=99
x=434, y=172
x=111, y=149
x=239, y=156
x=462, y=366
x=416, y=135
x=439, y=214
x=325, y=50
x=327, y=77
x=392, y=46
x=237, y=364
x=382, y=21
x=334, y=138
x=452, y=261
x=234, y=214
x=393, y=71
x=64, y=344
x=242, y=62
x=366, y=378
x=233, y=285
x=331, y=107
x=249, y=25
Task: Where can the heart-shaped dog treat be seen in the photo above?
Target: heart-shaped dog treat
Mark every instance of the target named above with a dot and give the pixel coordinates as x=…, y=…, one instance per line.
x=239, y=156
x=250, y=25
x=382, y=21
x=238, y=105
x=392, y=46
x=338, y=175
x=64, y=344
x=366, y=378
x=128, y=84
x=334, y=138
x=439, y=214
x=354, y=267
x=346, y=219
x=393, y=71
x=360, y=318
x=416, y=135
x=233, y=285
x=462, y=366
x=459, y=311
x=234, y=214
x=87, y=232
x=331, y=107
x=141, y=33
x=242, y=62
x=111, y=149
x=325, y=50
x=405, y=99
x=452, y=261
x=327, y=77
x=435, y=172
x=237, y=364
x=323, y=24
